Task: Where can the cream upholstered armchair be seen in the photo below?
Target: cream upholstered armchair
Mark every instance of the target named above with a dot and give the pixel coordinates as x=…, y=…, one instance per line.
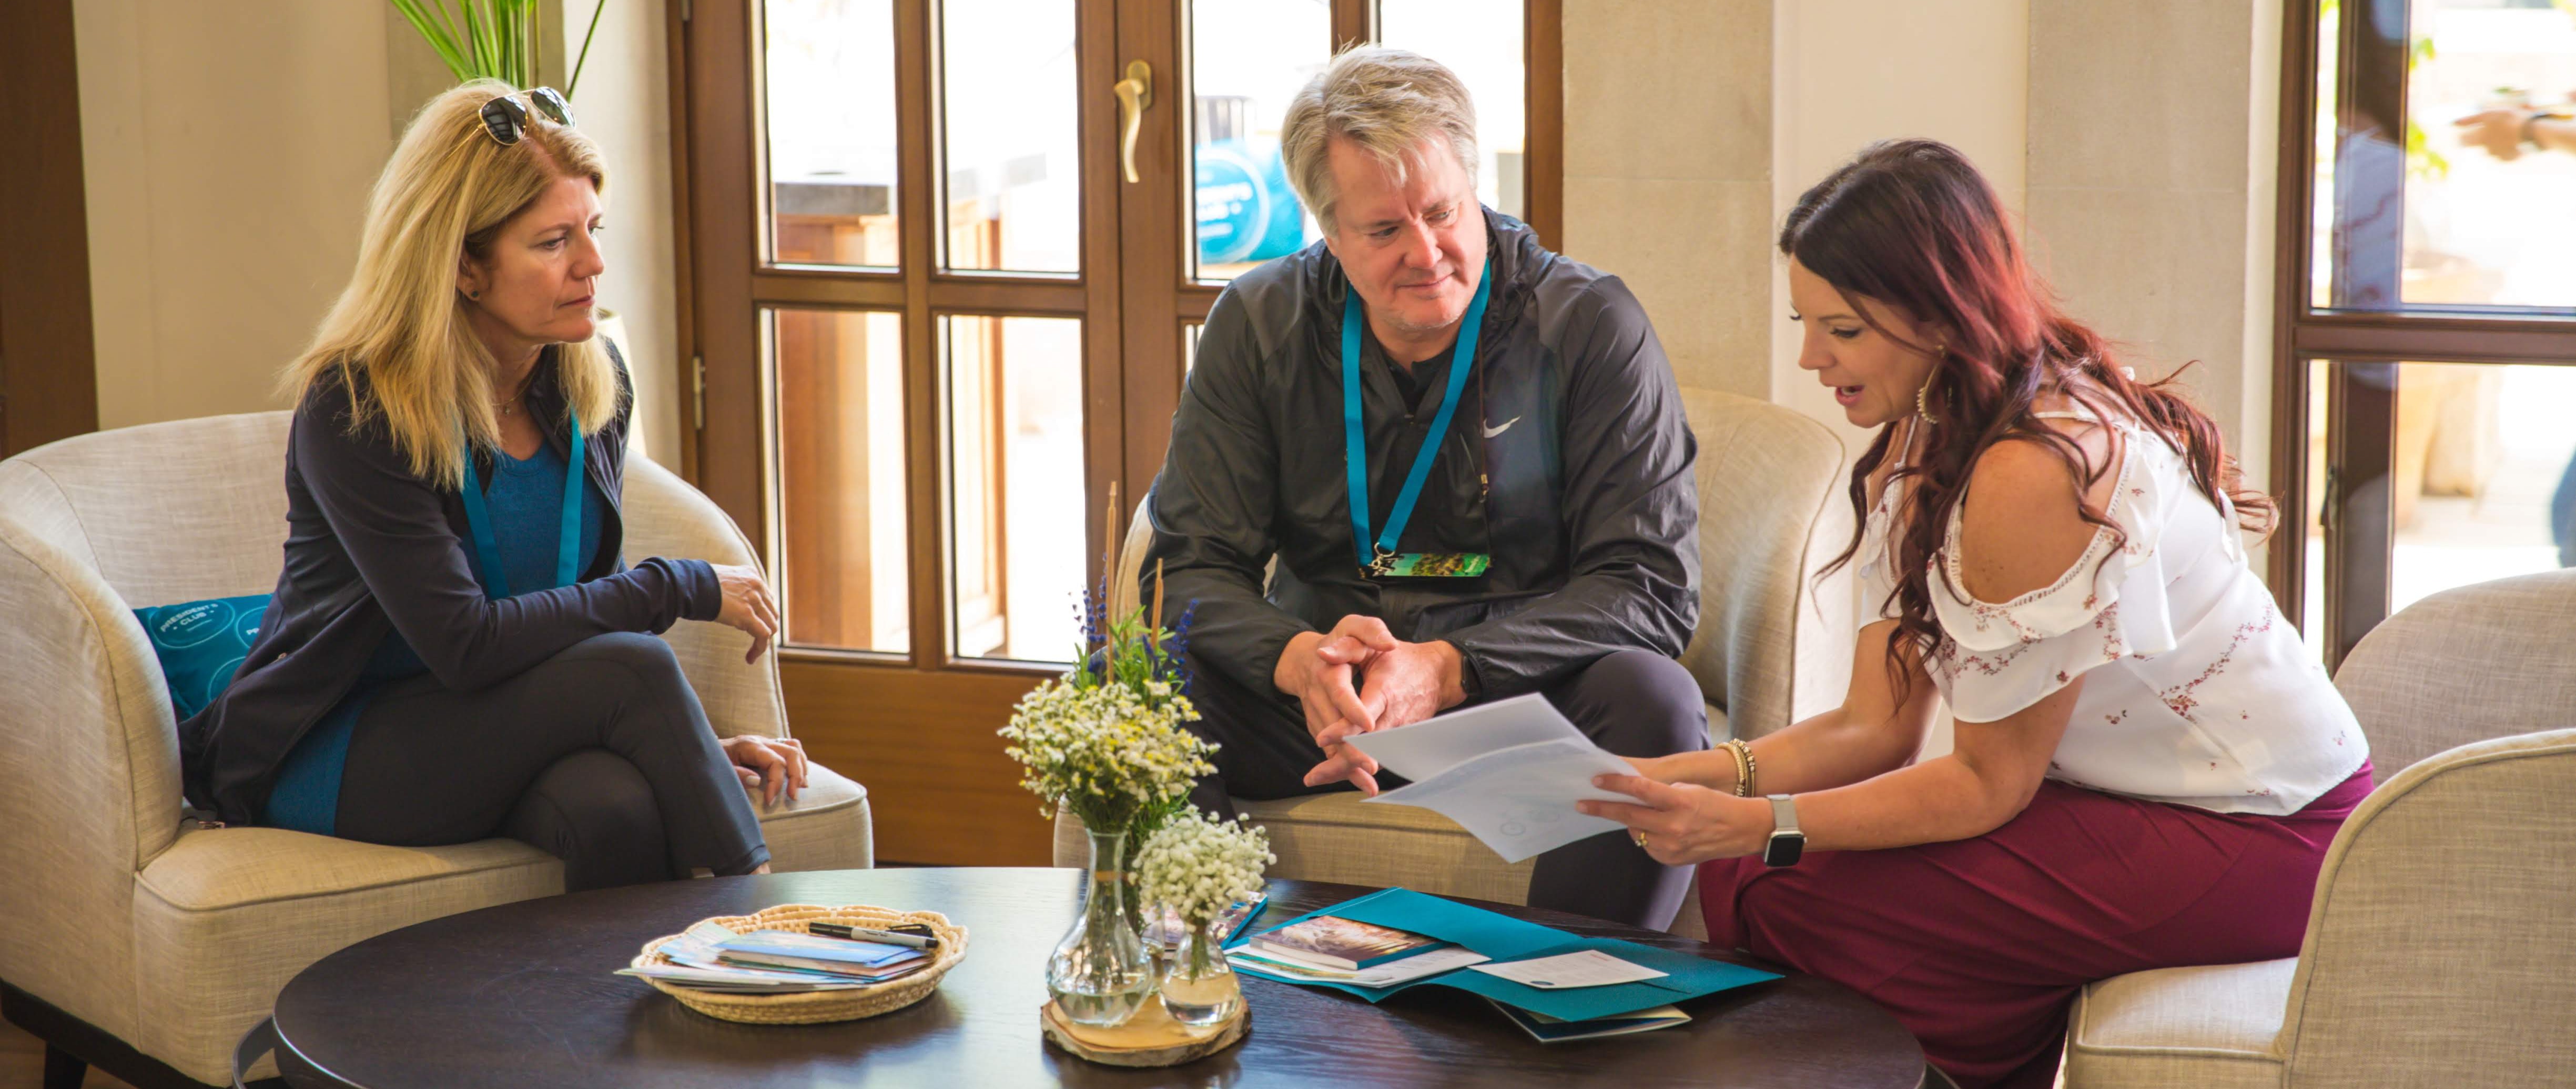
x=148, y=948
x=1769, y=516
x=2438, y=950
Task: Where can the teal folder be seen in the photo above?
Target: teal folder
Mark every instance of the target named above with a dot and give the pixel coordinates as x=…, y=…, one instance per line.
x=1507, y=939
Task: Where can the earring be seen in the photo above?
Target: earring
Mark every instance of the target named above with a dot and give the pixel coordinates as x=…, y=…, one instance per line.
x=1939, y=351
x=477, y=296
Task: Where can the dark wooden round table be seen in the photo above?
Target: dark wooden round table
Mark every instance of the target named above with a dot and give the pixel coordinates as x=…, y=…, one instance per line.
x=522, y=995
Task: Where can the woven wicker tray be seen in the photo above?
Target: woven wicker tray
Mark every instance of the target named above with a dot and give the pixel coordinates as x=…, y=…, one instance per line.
x=817, y=1007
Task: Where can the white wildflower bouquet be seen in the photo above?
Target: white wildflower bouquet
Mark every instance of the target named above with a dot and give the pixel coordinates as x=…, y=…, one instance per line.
x=1198, y=866
x=1112, y=753
x=1106, y=740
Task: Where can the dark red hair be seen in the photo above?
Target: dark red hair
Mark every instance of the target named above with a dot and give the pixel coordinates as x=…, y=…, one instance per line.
x=1912, y=225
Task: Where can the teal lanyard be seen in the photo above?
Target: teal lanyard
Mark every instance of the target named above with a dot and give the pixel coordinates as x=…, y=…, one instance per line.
x=487, y=551
x=1356, y=444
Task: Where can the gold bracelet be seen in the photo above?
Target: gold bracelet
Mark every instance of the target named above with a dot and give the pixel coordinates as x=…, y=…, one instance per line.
x=1743, y=765
x=1745, y=788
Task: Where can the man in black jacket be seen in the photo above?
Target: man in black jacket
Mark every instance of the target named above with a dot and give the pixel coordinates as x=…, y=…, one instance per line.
x=1527, y=518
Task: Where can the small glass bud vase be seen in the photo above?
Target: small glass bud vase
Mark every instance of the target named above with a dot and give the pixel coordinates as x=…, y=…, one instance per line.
x=1199, y=988
x=1101, y=974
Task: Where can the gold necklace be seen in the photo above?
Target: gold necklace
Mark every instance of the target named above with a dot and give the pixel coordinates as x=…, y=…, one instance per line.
x=512, y=405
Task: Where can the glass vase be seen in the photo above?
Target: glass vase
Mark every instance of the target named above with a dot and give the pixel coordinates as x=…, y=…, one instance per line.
x=1199, y=988
x=1100, y=974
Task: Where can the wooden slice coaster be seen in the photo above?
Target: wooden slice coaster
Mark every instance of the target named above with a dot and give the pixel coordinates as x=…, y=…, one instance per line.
x=1151, y=1038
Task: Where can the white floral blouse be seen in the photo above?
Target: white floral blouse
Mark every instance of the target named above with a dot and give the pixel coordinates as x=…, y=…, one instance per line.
x=2196, y=692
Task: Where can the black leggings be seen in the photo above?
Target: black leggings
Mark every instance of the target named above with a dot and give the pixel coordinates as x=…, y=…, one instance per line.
x=599, y=756
x=1632, y=703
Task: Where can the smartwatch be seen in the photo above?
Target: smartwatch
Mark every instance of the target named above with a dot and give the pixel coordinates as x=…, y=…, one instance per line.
x=1787, y=842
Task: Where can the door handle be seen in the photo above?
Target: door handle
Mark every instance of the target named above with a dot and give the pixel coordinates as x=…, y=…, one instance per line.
x=1135, y=96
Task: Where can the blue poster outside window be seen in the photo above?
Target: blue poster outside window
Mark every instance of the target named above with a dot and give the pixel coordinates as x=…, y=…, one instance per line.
x=1246, y=211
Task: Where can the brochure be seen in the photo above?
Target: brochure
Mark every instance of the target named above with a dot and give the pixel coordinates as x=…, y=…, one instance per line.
x=703, y=958
x=1342, y=943
x=1502, y=938
x=843, y=951
x=1550, y=1030
x=1444, y=959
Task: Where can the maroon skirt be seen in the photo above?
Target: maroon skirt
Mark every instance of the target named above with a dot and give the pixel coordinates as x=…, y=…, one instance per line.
x=1979, y=945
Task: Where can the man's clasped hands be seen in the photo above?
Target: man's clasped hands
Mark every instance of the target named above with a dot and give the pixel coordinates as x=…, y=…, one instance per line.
x=1359, y=678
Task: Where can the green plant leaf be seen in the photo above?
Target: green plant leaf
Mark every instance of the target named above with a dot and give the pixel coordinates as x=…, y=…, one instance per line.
x=478, y=52
x=575, y=83
x=440, y=39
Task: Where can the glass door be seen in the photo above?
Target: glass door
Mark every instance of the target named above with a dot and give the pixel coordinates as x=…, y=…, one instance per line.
x=2428, y=311
x=901, y=269
x=943, y=279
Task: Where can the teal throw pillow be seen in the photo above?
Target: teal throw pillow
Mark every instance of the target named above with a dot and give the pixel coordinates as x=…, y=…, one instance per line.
x=200, y=643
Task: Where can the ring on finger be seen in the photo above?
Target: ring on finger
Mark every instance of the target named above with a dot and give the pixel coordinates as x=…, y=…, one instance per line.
x=1637, y=835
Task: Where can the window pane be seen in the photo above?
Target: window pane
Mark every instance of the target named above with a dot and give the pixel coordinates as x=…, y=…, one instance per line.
x=1247, y=57
x=2419, y=210
x=1014, y=184
x=2312, y=622
x=2321, y=229
x=1015, y=485
x=828, y=73
x=1481, y=41
x=839, y=412
x=2481, y=450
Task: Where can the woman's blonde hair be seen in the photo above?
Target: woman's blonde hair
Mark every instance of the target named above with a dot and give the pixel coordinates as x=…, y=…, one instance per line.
x=401, y=323
x=1387, y=101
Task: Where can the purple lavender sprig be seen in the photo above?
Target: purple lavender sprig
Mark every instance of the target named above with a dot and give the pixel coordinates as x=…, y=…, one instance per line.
x=1093, y=660
x=1179, y=645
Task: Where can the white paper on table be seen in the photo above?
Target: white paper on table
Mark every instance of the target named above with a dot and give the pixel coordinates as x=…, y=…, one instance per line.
x=1520, y=801
x=1427, y=963
x=1587, y=968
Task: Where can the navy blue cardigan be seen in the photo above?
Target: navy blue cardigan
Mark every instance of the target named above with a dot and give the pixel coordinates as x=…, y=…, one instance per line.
x=372, y=548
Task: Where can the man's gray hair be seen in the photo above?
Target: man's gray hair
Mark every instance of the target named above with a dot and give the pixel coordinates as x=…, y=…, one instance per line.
x=1385, y=101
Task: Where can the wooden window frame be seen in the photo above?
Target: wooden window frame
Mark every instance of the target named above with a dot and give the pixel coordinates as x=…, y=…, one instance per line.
x=48, y=355
x=2362, y=350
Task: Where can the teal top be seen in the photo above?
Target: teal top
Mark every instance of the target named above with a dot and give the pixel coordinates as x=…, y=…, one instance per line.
x=526, y=503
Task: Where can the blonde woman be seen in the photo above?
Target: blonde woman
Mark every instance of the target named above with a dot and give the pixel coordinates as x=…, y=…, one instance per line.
x=455, y=649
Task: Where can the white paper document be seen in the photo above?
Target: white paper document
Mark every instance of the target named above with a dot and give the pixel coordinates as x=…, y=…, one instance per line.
x=1417, y=966
x=1509, y=772
x=1589, y=968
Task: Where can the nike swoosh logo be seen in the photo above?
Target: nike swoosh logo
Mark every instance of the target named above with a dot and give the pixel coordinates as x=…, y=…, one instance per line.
x=1490, y=432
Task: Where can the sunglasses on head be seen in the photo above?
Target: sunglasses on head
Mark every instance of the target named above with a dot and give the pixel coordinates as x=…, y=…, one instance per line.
x=506, y=120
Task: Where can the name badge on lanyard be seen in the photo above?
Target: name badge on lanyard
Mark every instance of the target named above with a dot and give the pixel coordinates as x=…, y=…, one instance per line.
x=487, y=549
x=1377, y=555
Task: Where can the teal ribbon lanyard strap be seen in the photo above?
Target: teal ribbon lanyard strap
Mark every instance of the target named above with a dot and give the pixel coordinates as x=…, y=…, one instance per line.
x=1373, y=554
x=487, y=549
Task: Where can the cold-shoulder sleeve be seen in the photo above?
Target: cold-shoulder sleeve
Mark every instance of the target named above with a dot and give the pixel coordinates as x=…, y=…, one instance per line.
x=1997, y=658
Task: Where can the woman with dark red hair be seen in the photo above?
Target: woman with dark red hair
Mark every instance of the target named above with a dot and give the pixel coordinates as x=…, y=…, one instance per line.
x=2148, y=766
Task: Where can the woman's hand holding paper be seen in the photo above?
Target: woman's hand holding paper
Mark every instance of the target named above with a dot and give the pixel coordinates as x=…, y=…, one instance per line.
x=1684, y=823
